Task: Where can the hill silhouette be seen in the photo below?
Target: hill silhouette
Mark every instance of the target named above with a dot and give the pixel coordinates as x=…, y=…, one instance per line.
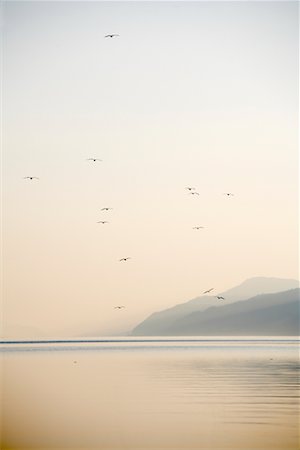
x=163, y=322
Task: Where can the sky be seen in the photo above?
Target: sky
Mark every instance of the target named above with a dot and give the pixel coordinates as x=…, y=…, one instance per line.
x=201, y=94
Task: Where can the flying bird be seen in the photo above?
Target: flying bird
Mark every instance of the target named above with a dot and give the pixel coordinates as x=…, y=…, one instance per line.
x=125, y=259
x=119, y=307
x=102, y=221
x=197, y=228
x=111, y=35
x=219, y=297
x=105, y=209
x=190, y=188
x=229, y=194
x=194, y=193
x=208, y=291
x=31, y=178
x=93, y=159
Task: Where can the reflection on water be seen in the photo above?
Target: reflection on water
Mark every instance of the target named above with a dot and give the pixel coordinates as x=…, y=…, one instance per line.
x=153, y=394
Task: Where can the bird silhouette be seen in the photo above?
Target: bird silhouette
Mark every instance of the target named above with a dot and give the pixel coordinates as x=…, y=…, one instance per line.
x=125, y=259
x=208, y=291
x=105, y=209
x=93, y=159
x=190, y=188
x=219, y=297
x=197, y=228
x=31, y=178
x=194, y=193
x=102, y=221
x=229, y=194
x=119, y=307
x=111, y=35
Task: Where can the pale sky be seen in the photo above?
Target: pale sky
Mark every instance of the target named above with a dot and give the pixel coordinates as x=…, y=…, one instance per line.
x=200, y=94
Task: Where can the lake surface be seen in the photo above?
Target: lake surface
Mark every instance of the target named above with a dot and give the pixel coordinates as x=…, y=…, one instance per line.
x=154, y=394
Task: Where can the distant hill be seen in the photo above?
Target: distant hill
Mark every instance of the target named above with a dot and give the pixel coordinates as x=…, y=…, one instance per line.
x=160, y=323
x=268, y=315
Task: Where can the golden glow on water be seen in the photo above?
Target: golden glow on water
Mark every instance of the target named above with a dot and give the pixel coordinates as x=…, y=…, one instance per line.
x=144, y=395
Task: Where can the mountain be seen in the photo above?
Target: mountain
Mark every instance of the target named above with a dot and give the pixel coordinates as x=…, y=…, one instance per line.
x=268, y=315
x=157, y=323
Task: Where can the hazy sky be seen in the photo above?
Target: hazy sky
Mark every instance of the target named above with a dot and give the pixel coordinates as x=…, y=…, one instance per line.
x=201, y=94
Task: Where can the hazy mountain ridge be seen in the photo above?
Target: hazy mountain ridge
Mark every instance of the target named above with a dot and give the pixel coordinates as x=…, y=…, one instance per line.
x=268, y=314
x=159, y=322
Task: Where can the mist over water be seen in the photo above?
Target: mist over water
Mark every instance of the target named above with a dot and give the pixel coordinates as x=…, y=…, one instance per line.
x=201, y=94
x=151, y=394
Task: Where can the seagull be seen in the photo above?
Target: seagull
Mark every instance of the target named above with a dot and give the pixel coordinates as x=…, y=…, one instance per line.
x=125, y=259
x=102, y=221
x=31, y=178
x=197, y=228
x=119, y=307
x=111, y=35
x=105, y=209
x=194, y=193
x=219, y=297
x=229, y=194
x=94, y=159
x=190, y=188
x=208, y=291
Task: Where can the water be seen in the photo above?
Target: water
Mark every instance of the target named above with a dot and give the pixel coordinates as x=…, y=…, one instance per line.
x=193, y=393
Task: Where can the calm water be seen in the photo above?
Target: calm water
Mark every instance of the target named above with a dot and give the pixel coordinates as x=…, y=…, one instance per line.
x=153, y=394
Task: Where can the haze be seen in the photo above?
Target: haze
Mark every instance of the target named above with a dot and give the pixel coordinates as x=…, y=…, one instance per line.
x=191, y=94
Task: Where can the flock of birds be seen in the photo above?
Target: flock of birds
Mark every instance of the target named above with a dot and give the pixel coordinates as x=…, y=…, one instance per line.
x=192, y=191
